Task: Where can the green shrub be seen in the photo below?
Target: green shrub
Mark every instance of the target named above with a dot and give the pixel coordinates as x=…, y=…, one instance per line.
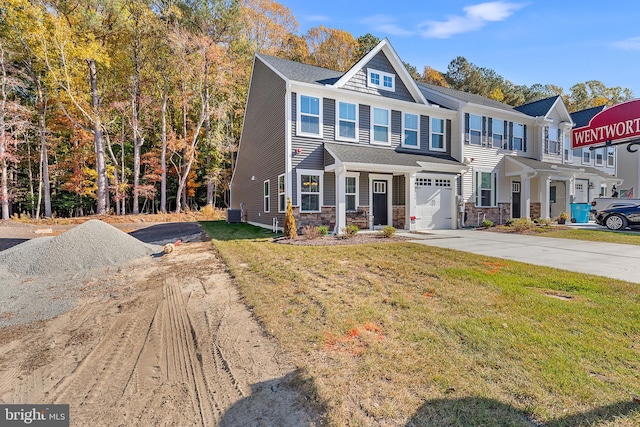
x=310, y=232
x=323, y=229
x=388, y=231
x=522, y=224
x=509, y=222
x=486, y=223
x=349, y=231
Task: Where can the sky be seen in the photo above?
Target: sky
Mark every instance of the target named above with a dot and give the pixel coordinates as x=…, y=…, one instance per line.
x=559, y=42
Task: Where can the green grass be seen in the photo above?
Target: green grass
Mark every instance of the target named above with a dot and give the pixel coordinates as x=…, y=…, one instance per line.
x=604, y=235
x=399, y=333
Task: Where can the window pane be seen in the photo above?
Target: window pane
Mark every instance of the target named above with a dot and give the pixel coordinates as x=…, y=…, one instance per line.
x=380, y=116
x=350, y=184
x=411, y=138
x=485, y=198
x=485, y=180
x=380, y=134
x=310, y=202
x=375, y=78
x=517, y=143
x=388, y=81
x=475, y=137
x=310, y=105
x=475, y=122
x=281, y=184
x=497, y=127
x=310, y=124
x=281, y=203
x=351, y=202
x=437, y=141
x=437, y=125
x=347, y=111
x=347, y=129
x=310, y=183
x=518, y=130
x=411, y=121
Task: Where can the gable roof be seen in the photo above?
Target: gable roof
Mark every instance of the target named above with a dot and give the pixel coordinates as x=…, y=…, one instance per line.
x=297, y=71
x=401, y=71
x=583, y=117
x=459, y=95
x=538, y=108
x=540, y=166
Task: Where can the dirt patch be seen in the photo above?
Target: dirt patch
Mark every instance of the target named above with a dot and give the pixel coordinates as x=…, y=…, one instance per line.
x=158, y=341
x=535, y=231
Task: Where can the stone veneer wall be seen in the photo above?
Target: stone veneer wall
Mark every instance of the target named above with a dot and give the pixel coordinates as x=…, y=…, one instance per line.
x=327, y=217
x=399, y=217
x=493, y=214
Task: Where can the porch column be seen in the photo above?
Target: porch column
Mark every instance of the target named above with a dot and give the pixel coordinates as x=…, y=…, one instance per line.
x=341, y=205
x=567, y=196
x=410, y=200
x=526, y=196
x=545, y=205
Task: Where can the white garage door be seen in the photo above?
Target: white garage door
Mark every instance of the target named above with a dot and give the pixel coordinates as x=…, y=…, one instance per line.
x=433, y=203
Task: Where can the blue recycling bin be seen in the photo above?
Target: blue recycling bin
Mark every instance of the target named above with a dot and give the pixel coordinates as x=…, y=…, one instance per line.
x=580, y=212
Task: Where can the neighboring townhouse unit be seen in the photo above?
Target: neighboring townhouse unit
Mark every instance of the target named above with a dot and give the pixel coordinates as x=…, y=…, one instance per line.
x=372, y=147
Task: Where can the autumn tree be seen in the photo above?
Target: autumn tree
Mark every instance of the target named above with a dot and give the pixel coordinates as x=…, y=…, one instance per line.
x=267, y=25
x=434, y=77
x=364, y=44
x=331, y=48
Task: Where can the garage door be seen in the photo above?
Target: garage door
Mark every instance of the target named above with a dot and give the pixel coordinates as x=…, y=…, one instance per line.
x=433, y=203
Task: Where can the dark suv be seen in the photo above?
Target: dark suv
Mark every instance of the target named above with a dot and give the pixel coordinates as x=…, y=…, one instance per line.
x=620, y=217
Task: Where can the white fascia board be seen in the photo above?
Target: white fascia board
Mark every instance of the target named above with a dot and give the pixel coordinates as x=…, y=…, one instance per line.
x=372, y=167
x=496, y=112
x=371, y=99
x=439, y=167
x=461, y=103
x=397, y=64
x=563, y=112
x=522, y=166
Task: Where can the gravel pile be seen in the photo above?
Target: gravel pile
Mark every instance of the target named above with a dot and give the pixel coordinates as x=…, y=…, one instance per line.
x=92, y=244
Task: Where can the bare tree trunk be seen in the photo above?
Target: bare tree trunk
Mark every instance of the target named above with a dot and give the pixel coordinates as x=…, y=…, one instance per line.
x=4, y=185
x=115, y=171
x=44, y=157
x=163, y=158
x=181, y=199
x=101, y=165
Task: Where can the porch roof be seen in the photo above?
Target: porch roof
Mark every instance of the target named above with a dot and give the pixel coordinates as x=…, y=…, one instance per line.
x=359, y=157
x=557, y=168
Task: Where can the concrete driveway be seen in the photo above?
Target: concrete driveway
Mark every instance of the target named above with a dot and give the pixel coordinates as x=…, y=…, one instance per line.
x=601, y=259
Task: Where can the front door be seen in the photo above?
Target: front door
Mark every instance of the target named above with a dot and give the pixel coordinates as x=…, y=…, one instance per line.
x=515, y=200
x=380, y=204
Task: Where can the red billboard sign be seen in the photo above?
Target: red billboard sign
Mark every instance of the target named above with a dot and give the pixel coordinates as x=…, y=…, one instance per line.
x=617, y=123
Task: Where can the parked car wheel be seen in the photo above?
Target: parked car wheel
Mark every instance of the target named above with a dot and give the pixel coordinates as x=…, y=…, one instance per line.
x=615, y=222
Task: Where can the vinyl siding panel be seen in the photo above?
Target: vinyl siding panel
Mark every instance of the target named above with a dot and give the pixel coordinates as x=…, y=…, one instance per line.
x=379, y=62
x=329, y=196
x=261, y=153
x=399, y=195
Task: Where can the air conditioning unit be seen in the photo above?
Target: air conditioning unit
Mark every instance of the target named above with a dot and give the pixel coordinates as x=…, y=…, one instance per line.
x=234, y=216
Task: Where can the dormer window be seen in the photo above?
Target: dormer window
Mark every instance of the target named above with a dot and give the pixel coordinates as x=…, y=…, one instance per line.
x=381, y=80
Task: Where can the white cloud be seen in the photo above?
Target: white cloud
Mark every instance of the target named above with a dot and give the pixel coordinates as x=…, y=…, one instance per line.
x=387, y=25
x=476, y=17
x=316, y=18
x=632, y=43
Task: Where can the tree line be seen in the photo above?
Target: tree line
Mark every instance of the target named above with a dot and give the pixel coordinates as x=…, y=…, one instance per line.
x=132, y=106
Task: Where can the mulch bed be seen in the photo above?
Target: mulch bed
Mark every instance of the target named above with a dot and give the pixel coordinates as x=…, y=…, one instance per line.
x=333, y=240
x=541, y=229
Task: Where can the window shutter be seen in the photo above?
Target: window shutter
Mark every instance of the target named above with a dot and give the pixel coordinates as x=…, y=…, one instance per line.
x=466, y=127
x=510, y=135
x=484, y=131
x=525, y=139
x=505, y=136
x=477, y=187
x=490, y=132
x=495, y=189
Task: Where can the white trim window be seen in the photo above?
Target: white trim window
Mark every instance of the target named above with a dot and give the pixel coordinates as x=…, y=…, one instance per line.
x=282, y=199
x=381, y=80
x=347, y=122
x=437, y=140
x=486, y=188
x=410, y=130
x=518, y=137
x=475, y=129
x=380, y=126
x=267, y=199
x=351, y=191
x=568, y=152
x=309, y=190
x=611, y=157
x=586, y=156
x=599, y=157
x=498, y=136
x=309, y=121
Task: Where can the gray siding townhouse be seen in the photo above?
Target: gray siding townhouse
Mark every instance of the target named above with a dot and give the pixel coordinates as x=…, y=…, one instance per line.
x=361, y=147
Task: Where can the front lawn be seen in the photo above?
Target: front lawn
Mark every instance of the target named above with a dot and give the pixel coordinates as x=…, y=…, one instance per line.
x=406, y=334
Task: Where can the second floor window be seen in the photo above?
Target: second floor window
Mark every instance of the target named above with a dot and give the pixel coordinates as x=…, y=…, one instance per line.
x=586, y=156
x=380, y=126
x=410, y=130
x=309, y=115
x=611, y=157
x=475, y=129
x=497, y=133
x=599, y=157
x=437, y=135
x=347, y=121
x=381, y=80
x=518, y=136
